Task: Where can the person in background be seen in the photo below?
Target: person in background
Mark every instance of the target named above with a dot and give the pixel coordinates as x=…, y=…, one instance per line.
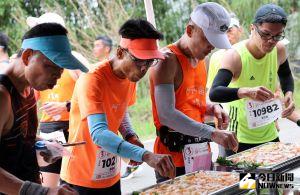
x=55, y=104
x=4, y=57
x=234, y=34
x=102, y=48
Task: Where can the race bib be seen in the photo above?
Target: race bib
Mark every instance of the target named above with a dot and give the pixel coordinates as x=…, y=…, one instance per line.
x=107, y=165
x=56, y=135
x=197, y=157
x=262, y=113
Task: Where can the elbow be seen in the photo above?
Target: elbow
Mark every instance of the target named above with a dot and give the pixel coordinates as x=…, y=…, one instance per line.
x=164, y=117
x=213, y=95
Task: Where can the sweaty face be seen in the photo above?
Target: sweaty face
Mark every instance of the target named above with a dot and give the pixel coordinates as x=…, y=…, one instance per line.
x=100, y=49
x=266, y=35
x=199, y=45
x=41, y=73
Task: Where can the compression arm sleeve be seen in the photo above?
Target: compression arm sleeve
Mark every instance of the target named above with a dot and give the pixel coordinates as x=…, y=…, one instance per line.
x=220, y=92
x=173, y=118
x=126, y=128
x=109, y=141
x=285, y=77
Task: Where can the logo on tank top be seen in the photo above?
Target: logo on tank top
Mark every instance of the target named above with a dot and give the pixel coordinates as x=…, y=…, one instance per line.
x=195, y=90
x=252, y=78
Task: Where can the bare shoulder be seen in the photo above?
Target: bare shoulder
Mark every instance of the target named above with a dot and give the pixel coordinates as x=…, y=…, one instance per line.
x=5, y=107
x=165, y=71
x=232, y=62
x=281, y=53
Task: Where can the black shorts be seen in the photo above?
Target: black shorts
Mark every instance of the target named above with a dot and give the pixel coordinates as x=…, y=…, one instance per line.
x=113, y=190
x=49, y=127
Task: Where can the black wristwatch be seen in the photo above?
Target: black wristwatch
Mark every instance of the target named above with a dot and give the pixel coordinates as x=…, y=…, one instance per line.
x=68, y=105
x=298, y=122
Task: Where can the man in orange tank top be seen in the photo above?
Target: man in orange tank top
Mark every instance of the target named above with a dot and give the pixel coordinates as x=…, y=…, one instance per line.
x=178, y=89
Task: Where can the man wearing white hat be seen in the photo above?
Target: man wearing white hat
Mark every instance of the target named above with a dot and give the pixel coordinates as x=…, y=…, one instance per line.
x=178, y=89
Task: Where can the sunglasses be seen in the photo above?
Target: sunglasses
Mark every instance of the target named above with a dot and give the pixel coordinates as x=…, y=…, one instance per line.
x=267, y=36
x=140, y=63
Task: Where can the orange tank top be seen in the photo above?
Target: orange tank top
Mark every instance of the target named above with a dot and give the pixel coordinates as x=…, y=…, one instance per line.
x=190, y=99
x=61, y=92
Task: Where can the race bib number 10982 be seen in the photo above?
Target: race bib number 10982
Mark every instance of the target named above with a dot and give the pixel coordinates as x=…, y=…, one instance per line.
x=262, y=113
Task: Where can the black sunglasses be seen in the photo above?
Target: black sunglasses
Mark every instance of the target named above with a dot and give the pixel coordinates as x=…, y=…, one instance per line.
x=140, y=62
x=267, y=36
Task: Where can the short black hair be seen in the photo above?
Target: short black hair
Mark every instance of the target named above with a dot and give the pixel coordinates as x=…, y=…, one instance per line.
x=4, y=40
x=45, y=29
x=106, y=40
x=42, y=30
x=138, y=29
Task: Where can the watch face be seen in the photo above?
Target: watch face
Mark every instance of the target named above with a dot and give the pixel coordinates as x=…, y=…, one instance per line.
x=68, y=105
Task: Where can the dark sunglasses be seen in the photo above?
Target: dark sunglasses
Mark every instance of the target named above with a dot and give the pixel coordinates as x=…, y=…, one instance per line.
x=140, y=62
x=267, y=36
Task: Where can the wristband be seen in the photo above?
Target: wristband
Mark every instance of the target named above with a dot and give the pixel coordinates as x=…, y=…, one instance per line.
x=298, y=122
x=29, y=188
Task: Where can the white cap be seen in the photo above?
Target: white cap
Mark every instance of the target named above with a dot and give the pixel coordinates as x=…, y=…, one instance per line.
x=45, y=18
x=214, y=20
x=234, y=21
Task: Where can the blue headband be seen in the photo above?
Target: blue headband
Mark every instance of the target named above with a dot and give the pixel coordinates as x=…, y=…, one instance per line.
x=57, y=49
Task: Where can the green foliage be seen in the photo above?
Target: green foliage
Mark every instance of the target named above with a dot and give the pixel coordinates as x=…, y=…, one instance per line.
x=141, y=113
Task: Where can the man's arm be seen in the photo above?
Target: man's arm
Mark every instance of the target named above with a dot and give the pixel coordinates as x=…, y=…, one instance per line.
x=286, y=80
x=163, y=76
x=9, y=184
x=125, y=128
x=231, y=67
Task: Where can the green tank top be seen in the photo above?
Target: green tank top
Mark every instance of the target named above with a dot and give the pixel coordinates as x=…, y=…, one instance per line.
x=255, y=72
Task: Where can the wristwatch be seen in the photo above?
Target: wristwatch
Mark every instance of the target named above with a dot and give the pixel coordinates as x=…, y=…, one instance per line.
x=298, y=122
x=68, y=106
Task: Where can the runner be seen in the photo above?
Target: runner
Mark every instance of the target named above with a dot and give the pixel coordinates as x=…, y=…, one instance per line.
x=102, y=48
x=55, y=104
x=40, y=62
x=99, y=105
x=253, y=66
x=4, y=57
x=234, y=34
x=178, y=89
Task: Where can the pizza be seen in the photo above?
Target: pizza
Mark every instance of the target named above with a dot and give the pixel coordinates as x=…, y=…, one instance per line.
x=202, y=182
x=269, y=154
